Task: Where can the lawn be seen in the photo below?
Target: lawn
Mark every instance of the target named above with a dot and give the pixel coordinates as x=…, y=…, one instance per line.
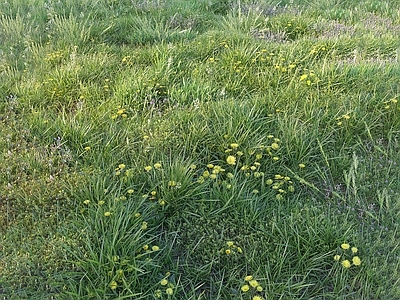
x=200, y=149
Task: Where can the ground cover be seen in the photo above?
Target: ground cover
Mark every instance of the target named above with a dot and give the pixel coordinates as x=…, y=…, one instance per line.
x=199, y=149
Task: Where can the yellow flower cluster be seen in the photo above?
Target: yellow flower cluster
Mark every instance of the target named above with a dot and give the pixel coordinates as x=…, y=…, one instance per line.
x=56, y=56
x=167, y=285
x=231, y=249
x=123, y=170
x=308, y=77
x=121, y=112
x=279, y=183
x=253, y=286
x=345, y=261
x=389, y=103
x=341, y=119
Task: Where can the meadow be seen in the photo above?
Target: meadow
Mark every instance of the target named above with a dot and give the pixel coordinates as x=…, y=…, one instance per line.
x=200, y=149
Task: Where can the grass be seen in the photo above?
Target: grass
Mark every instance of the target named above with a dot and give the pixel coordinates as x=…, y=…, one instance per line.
x=199, y=150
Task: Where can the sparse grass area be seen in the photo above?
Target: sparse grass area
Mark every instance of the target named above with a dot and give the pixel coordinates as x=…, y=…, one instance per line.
x=217, y=149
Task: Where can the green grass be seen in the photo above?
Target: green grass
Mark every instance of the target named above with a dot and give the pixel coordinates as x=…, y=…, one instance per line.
x=159, y=149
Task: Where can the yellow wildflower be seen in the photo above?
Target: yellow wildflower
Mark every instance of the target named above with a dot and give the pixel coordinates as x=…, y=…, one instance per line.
x=259, y=288
x=148, y=168
x=113, y=285
x=274, y=146
x=107, y=213
x=164, y=281
x=234, y=145
x=121, y=166
x=303, y=77
x=354, y=249
x=336, y=257
x=253, y=283
x=155, y=248
x=230, y=244
x=86, y=202
x=157, y=166
x=356, y=261
x=248, y=278
x=144, y=226
x=245, y=288
x=302, y=166
x=345, y=246
x=231, y=160
x=169, y=291
x=346, y=264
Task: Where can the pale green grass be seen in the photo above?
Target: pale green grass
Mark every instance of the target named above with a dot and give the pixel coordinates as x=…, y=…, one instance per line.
x=111, y=114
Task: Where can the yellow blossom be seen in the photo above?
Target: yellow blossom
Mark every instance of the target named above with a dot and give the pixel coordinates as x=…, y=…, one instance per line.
x=210, y=166
x=87, y=148
x=131, y=191
x=148, y=168
x=245, y=288
x=356, y=261
x=157, y=166
x=164, y=281
x=234, y=145
x=231, y=160
x=230, y=244
x=259, y=288
x=248, y=278
x=228, y=251
x=113, y=285
x=345, y=246
x=253, y=283
x=302, y=166
x=303, y=77
x=121, y=166
x=336, y=257
x=144, y=226
x=274, y=146
x=346, y=264
x=169, y=291
x=158, y=294
x=107, y=213
x=86, y=202
x=354, y=249
x=155, y=248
